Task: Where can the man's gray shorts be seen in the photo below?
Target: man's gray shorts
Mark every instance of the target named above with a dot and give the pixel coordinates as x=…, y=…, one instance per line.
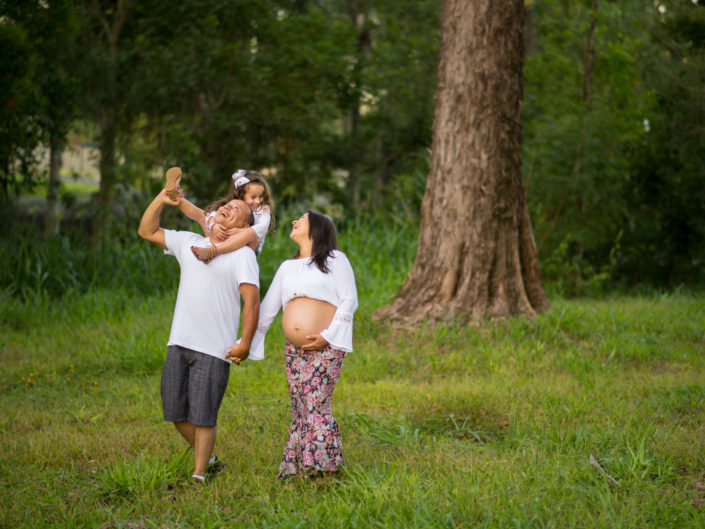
x=193, y=385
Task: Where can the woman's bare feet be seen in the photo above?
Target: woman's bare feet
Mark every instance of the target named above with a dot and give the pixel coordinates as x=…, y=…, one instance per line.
x=173, y=179
x=205, y=254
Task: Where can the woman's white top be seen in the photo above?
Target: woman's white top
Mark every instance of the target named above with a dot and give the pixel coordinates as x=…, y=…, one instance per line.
x=263, y=218
x=301, y=278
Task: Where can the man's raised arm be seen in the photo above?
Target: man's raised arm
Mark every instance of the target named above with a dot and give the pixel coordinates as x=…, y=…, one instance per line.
x=149, y=228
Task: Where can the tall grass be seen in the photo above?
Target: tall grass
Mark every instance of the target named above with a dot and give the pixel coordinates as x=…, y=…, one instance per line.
x=32, y=267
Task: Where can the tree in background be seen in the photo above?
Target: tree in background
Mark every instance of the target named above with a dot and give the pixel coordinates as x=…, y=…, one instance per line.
x=52, y=28
x=253, y=84
x=583, y=112
x=476, y=253
x=395, y=82
x=613, y=142
x=109, y=69
x=328, y=97
x=333, y=100
x=19, y=128
x=664, y=241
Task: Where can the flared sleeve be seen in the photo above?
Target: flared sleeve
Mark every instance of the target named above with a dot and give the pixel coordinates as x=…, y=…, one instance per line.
x=340, y=331
x=268, y=310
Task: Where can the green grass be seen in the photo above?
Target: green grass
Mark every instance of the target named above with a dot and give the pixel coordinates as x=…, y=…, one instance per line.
x=480, y=426
x=488, y=425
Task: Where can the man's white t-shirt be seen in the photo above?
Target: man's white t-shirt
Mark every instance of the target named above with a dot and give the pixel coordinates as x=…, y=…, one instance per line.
x=207, y=312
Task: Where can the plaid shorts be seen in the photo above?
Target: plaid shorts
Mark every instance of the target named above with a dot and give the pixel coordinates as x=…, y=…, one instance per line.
x=193, y=386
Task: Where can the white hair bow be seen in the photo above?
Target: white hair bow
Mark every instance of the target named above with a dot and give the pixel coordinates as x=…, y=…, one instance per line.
x=240, y=179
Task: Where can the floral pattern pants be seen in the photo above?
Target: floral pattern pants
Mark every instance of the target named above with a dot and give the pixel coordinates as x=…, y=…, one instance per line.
x=314, y=440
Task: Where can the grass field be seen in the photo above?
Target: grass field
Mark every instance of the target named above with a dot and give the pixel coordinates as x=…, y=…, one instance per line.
x=492, y=425
x=487, y=426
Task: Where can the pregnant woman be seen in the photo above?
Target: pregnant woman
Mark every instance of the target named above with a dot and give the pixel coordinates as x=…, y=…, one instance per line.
x=317, y=291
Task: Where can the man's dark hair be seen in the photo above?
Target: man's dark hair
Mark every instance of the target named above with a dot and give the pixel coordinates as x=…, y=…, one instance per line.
x=321, y=231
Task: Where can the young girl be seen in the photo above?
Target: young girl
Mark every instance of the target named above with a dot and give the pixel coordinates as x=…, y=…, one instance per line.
x=250, y=187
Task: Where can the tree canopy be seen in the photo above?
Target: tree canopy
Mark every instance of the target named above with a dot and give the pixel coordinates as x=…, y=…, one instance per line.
x=333, y=100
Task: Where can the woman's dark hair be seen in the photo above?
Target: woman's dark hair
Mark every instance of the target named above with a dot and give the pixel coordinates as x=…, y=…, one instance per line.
x=321, y=231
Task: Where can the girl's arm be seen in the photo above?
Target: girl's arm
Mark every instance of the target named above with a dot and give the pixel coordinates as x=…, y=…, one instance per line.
x=240, y=237
x=194, y=213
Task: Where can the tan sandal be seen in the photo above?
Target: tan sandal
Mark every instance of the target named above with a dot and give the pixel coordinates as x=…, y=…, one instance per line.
x=173, y=179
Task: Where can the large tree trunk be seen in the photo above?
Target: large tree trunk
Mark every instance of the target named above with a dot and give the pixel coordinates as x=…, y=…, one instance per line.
x=476, y=255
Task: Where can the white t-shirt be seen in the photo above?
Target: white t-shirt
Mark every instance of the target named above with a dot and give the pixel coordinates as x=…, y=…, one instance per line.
x=297, y=278
x=207, y=311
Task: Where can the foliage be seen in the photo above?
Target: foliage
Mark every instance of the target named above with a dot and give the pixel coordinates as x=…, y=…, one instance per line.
x=664, y=240
x=580, y=126
x=19, y=130
x=612, y=174
x=333, y=101
x=278, y=85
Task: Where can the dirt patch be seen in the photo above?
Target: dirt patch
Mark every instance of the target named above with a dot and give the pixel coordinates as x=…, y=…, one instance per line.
x=697, y=490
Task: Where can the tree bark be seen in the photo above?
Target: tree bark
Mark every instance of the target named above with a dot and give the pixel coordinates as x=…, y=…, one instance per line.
x=56, y=149
x=108, y=169
x=476, y=256
x=359, y=18
x=590, y=53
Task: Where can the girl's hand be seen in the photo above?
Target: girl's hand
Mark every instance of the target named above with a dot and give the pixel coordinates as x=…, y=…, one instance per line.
x=220, y=233
x=317, y=342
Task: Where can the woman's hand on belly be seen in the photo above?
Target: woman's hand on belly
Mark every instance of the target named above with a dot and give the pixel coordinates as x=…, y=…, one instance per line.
x=317, y=342
x=304, y=319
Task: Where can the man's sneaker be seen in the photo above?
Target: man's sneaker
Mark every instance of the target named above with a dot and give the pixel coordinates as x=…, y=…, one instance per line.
x=215, y=465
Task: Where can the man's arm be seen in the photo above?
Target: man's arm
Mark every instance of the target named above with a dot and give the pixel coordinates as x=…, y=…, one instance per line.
x=250, y=317
x=149, y=228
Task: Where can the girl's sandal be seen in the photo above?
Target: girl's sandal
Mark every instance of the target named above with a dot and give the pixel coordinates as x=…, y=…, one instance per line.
x=173, y=178
x=205, y=254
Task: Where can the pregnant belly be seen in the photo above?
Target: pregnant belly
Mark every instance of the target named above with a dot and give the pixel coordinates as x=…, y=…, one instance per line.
x=306, y=316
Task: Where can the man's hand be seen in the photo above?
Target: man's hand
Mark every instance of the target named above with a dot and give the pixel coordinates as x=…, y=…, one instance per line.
x=168, y=201
x=237, y=353
x=317, y=342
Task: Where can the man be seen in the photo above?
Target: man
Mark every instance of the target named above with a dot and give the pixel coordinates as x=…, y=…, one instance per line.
x=204, y=329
